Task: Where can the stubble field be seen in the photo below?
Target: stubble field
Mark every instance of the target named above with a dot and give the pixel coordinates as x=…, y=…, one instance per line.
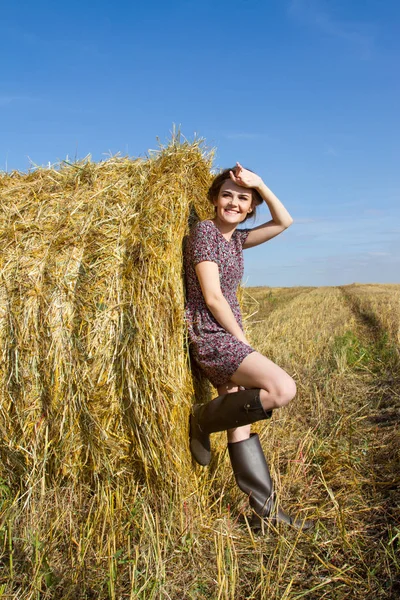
x=334, y=453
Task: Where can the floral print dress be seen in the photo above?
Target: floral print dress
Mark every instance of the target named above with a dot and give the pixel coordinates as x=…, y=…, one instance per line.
x=217, y=352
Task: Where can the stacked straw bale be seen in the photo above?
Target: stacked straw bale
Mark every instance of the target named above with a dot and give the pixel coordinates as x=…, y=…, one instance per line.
x=95, y=378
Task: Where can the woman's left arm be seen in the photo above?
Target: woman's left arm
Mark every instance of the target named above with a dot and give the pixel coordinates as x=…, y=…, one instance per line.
x=281, y=218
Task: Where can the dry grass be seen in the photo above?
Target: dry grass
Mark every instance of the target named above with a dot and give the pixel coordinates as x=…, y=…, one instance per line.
x=98, y=496
x=91, y=317
x=381, y=303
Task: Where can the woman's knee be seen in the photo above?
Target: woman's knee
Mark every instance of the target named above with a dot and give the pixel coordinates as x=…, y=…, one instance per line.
x=280, y=393
x=257, y=371
x=286, y=392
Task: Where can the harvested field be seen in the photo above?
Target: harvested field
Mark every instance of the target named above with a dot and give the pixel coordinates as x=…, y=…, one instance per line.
x=98, y=495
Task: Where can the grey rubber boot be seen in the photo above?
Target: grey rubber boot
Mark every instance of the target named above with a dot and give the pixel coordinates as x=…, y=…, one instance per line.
x=253, y=478
x=224, y=412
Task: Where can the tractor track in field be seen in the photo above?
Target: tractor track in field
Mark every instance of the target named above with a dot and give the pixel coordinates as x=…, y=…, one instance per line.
x=367, y=321
x=382, y=417
x=386, y=372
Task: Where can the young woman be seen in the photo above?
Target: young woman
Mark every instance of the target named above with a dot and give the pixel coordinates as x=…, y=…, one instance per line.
x=249, y=384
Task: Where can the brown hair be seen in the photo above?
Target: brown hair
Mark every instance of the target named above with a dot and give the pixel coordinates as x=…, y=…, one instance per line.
x=216, y=185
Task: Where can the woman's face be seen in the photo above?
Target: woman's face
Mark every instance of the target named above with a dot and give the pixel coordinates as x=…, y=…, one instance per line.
x=234, y=203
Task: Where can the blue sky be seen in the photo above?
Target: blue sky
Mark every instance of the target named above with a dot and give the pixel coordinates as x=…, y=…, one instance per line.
x=304, y=92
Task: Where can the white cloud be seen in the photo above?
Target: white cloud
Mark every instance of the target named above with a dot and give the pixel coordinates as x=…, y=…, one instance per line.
x=332, y=269
x=305, y=220
x=330, y=150
x=52, y=41
x=6, y=99
x=319, y=14
x=245, y=136
x=375, y=212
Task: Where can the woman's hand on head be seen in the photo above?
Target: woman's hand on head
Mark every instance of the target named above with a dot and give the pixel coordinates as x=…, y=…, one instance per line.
x=245, y=178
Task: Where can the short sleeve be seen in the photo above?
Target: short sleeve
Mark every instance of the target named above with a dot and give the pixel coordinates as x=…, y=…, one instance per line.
x=242, y=235
x=204, y=243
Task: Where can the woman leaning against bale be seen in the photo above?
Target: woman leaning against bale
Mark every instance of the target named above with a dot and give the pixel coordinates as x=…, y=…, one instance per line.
x=249, y=385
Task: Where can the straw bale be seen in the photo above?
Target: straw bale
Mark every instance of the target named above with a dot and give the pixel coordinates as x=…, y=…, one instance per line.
x=95, y=377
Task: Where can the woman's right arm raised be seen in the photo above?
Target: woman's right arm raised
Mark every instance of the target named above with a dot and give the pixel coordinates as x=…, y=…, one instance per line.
x=208, y=276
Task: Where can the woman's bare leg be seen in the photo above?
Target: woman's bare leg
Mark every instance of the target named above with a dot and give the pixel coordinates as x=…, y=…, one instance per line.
x=257, y=371
x=239, y=433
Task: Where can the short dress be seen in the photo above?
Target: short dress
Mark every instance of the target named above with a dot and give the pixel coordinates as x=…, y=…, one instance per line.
x=217, y=352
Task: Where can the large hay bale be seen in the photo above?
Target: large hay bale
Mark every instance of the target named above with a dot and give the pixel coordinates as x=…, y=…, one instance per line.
x=95, y=378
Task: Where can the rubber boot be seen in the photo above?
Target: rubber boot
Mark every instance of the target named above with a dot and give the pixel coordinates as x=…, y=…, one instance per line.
x=253, y=478
x=224, y=412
